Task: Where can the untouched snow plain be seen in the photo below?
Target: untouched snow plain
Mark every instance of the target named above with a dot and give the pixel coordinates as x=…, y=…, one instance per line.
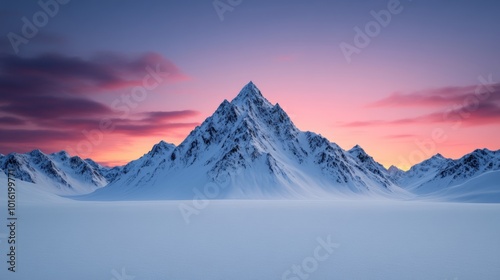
x=60, y=238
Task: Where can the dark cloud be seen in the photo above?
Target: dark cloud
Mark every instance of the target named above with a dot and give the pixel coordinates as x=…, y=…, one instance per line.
x=53, y=85
x=51, y=134
x=11, y=121
x=168, y=116
x=150, y=123
x=36, y=135
x=51, y=98
x=25, y=140
x=158, y=129
x=484, y=114
x=404, y=121
x=50, y=107
x=438, y=97
x=55, y=74
x=467, y=106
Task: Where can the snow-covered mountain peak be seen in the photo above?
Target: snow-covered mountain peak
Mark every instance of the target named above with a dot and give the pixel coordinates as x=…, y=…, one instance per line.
x=356, y=150
x=425, y=170
x=250, y=97
x=62, y=155
x=395, y=173
x=483, y=153
x=438, y=156
x=360, y=154
x=37, y=153
x=41, y=159
x=435, y=160
x=249, y=90
x=478, y=161
x=56, y=172
x=366, y=161
x=439, y=173
x=76, y=161
x=161, y=148
x=394, y=169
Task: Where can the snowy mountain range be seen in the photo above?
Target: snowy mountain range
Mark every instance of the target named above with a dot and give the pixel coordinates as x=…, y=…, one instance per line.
x=438, y=175
x=248, y=148
x=58, y=173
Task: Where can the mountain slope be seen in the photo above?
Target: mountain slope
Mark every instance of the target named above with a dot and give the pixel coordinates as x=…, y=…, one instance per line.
x=143, y=170
x=483, y=188
x=422, y=173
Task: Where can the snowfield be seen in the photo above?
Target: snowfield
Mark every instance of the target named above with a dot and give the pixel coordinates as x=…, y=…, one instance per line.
x=59, y=238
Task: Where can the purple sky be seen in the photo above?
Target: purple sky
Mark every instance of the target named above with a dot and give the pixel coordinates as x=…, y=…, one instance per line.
x=153, y=70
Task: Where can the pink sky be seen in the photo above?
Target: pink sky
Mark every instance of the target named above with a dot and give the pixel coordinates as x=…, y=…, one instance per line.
x=427, y=83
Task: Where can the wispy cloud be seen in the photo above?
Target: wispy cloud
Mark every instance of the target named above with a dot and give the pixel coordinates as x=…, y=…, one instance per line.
x=438, y=97
x=9, y=121
x=449, y=105
x=55, y=74
x=51, y=98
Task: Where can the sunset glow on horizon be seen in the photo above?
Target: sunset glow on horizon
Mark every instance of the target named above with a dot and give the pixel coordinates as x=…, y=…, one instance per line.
x=426, y=81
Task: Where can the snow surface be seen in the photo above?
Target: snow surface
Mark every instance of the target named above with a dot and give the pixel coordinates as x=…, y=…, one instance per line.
x=59, y=238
